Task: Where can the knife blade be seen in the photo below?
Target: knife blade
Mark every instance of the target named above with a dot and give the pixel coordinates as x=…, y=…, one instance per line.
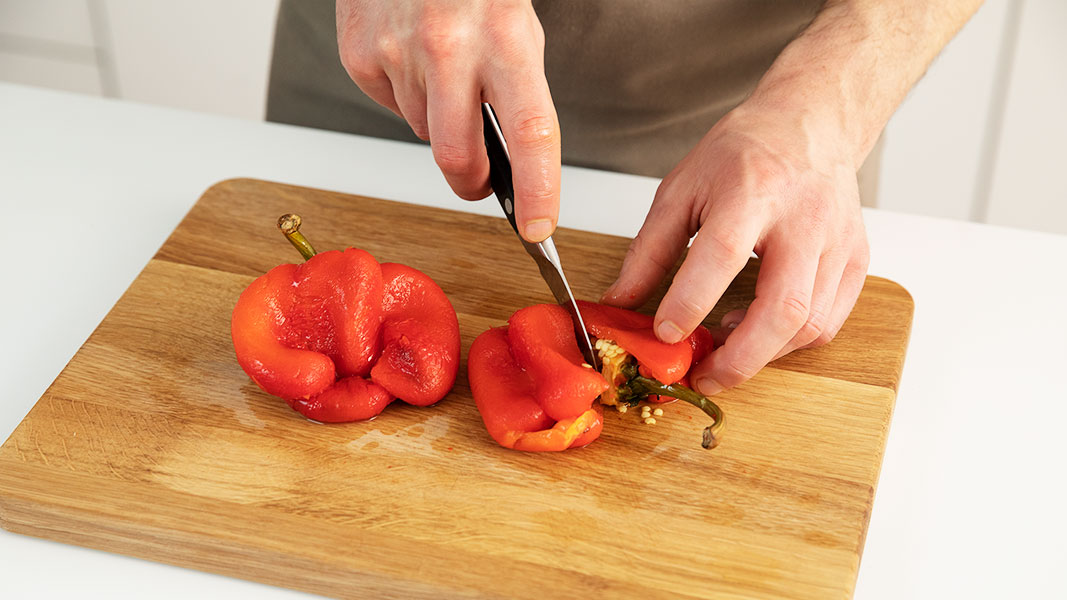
x=544, y=253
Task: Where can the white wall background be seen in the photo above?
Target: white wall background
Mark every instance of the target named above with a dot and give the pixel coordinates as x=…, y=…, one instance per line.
x=983, y=136
x=206, y=55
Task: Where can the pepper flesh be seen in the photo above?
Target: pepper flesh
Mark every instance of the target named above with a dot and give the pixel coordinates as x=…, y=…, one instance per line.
x=533, y=391
x=340, y=336
x=632, y=331
x=420, y=337
x=529, y=384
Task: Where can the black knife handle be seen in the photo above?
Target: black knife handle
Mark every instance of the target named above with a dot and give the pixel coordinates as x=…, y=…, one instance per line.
x=499, y=164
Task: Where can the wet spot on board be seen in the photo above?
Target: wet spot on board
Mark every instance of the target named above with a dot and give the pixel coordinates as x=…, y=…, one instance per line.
x=418, y=437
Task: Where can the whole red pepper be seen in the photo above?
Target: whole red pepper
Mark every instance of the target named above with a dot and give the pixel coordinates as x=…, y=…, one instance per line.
x=340, y=336
x=529, y=382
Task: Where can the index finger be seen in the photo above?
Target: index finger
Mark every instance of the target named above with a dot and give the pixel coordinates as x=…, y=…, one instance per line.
x=528, y=120
x=719, y=252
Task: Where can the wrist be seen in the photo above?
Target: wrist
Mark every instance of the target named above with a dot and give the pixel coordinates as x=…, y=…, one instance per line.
x=821, y=99
x=809, y=123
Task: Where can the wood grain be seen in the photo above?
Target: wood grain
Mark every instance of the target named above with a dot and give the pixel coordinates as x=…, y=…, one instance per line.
x=152, y=441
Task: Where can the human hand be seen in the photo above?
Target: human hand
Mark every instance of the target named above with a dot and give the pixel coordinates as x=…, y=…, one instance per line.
x=433, y=62
x=776, y=180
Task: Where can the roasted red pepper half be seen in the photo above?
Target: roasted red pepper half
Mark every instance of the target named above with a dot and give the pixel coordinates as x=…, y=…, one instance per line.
x=341, y=336
x=531, y=385
x=535, y=393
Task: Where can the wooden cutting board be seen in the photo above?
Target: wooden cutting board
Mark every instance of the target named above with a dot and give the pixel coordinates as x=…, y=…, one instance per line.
x=152, y=442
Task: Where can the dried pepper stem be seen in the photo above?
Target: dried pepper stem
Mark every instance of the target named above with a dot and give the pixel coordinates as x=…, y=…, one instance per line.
x=290, y=226
x=638, y=385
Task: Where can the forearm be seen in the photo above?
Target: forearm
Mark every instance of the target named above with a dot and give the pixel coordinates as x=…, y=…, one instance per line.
x=857, y=60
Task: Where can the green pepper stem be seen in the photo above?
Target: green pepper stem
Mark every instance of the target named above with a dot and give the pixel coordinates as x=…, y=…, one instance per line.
x=640, y=385
x=290, y=226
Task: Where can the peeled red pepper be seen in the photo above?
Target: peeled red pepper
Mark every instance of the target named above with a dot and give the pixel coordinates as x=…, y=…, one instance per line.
x=531, y=385
x=633, y=332
x=528, y=379
x=341, y=336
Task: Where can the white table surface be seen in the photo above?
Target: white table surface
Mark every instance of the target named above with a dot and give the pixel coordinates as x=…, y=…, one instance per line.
x=972, y=497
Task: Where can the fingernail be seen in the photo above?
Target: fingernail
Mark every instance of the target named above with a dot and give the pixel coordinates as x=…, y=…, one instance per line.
x=733, y=318
x=538, y=230
x=668, y=332
x=708, y=386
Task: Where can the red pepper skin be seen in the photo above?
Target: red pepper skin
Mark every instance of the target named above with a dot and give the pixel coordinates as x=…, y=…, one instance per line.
x=633, y=332
x=294, y=337
x=420, y=337
x=503, y=392
x=312, y=334
x=507, y=395
x=543, y=342
x=348, y=399
x=702, y=343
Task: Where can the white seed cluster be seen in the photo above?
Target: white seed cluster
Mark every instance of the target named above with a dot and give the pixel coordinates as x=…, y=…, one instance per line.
x=612, y=357
x=649, y=416
x=608, y=349
x=646, y=414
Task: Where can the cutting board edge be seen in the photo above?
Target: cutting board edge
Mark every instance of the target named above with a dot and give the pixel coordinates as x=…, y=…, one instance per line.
x=903, y=296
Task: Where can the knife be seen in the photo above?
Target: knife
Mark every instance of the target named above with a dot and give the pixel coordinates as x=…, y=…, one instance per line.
x=544, y=253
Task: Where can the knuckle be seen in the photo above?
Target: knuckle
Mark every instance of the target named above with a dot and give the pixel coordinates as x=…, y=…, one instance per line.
x=640, y=250
x=863, y=257
x=441, y=39
x=536, y=131
x=665, y=189
x=692, y=309
x=823, y=338
x=813, y=328
x=361, y=68
x=734, y=373
x=420, y=130
x=390, y=50
x=536, y=199
x=750, y=173
x=826, y=336
x=794, y=310
x=453, y=158
x=727, y=248
x=514, y=27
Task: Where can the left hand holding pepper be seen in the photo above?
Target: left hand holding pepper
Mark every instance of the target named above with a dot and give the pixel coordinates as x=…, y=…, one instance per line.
x=766, y=181
x=778, y=176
